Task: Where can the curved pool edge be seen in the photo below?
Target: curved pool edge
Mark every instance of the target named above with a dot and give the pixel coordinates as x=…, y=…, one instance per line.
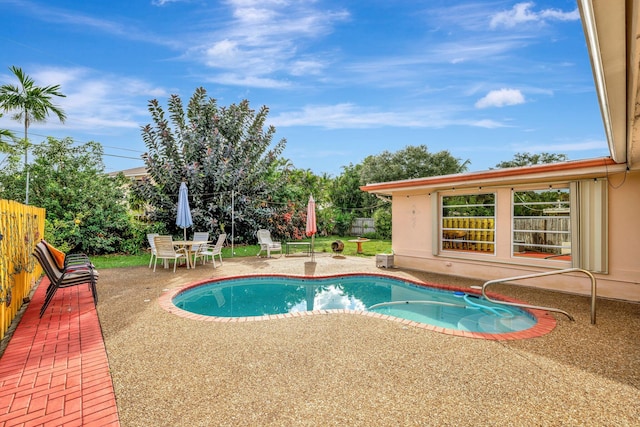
x=545, y=322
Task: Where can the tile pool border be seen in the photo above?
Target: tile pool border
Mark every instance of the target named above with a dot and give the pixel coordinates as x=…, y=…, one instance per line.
x=545, y=322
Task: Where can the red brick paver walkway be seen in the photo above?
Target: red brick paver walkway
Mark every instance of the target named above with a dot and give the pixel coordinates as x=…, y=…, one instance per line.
x=55, y=370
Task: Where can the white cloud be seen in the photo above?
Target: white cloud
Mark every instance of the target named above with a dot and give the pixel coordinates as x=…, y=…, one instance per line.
x=254, y=16
x=164, y=2
x=350, y=116
x=252, y=3
x=500, y=98
x=559, y=15
x=96, y=101
x=305, y=68
x=224, y=51
x=522, y=13
x=71, y=18
x=233, y=79
x=267, y=37
x=56, y=76
x=487, y=124
x=332, y=116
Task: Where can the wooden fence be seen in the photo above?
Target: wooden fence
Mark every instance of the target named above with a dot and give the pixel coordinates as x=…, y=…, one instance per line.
x=543, y=234
x=21, y=227
x=361, y=226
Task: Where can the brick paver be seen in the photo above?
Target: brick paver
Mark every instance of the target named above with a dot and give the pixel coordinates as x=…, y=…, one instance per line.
x=55, y=369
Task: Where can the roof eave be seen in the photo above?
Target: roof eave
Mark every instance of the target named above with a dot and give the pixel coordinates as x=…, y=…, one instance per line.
x=552, y=172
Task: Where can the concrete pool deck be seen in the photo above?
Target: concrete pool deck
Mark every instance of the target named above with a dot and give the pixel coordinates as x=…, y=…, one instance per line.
x=341, y=369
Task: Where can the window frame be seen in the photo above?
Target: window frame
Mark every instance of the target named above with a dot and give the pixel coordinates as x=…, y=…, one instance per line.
x=560, y=250
x=454, y=230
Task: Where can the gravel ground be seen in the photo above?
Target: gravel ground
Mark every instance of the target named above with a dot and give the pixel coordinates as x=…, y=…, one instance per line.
x=345, y=369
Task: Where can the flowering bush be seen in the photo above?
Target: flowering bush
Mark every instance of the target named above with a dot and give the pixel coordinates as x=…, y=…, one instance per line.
x=290, y=223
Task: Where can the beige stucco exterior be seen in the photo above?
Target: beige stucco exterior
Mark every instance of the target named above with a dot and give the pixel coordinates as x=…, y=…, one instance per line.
x=613, y=38
x=416, y=227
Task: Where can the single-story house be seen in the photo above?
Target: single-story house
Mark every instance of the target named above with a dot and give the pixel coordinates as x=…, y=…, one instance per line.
x=134, y=174
x=520, y=221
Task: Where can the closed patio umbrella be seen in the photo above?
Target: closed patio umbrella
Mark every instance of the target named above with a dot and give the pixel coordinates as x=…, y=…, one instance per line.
x=183, y=219
x=312, y=229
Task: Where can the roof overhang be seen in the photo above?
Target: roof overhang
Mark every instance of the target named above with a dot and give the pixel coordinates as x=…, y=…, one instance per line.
x=545, y=173
x=611, y=32
x=135, y=173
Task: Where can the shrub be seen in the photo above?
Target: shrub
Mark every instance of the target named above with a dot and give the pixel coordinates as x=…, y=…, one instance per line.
x=382, y=222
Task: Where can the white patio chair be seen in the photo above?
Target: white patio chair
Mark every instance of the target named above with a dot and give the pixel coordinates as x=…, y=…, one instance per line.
x=214, y=250
x=166, y=250
x=266, y=244
x=152, y=245
x=197, y=249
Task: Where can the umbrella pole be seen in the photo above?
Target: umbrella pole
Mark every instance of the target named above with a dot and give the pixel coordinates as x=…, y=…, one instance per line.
x=313, y=253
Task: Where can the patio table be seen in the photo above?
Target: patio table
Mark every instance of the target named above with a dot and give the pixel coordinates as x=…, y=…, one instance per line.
x=188, y=245
x=359, y=243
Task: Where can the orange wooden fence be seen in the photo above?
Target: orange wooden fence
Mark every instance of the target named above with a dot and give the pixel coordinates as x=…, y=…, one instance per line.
x=21, y=227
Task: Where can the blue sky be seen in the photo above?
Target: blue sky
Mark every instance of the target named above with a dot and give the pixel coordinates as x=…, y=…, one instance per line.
x=342, y=80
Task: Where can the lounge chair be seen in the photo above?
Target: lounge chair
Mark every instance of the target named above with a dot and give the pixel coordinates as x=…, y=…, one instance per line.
x=197, y=249
x=266, y=244
x=74, y=269
x=152, y=245
x=212, y=251
x=166, y=250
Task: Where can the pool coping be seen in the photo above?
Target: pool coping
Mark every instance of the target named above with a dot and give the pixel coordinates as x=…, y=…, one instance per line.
x=545, y=322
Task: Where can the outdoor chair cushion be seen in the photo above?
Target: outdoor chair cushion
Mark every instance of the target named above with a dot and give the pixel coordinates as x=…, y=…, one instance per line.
x=58, y=255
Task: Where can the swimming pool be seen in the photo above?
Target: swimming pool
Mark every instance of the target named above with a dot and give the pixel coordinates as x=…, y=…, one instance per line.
x=439, y=308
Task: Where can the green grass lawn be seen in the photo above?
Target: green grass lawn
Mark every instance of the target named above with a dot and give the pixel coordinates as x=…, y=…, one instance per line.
x=322, y=244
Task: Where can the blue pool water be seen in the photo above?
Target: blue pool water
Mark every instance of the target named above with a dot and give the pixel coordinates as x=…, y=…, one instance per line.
x=265, y=295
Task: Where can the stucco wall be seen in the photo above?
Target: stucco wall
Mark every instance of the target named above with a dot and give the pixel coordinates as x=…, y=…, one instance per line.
x=624, y=230
x=414, y=248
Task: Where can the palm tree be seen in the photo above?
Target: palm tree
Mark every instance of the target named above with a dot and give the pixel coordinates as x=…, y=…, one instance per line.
x=31, y=104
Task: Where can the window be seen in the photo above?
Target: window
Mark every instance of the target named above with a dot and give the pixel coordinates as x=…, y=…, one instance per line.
x=468, y=223
x=542, y=224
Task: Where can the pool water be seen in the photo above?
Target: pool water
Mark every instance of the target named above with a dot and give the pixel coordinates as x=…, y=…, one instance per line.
x=269, y=295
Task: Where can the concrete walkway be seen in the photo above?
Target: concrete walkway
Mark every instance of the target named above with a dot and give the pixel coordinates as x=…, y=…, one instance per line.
x=55, y=369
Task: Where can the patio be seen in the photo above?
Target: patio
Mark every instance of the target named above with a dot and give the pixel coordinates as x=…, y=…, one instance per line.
x=345, y=369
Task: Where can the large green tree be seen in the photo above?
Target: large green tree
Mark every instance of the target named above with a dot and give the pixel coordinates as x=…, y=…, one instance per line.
x=226, y=157
x=409, y=162
x=528, y=159
x=30, y=103
x=85, y=207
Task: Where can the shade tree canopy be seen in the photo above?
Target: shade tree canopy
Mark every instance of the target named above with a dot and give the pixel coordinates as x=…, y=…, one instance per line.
x=529, y=159
x=227, y=157
x=413, y=161
x=85, y=207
